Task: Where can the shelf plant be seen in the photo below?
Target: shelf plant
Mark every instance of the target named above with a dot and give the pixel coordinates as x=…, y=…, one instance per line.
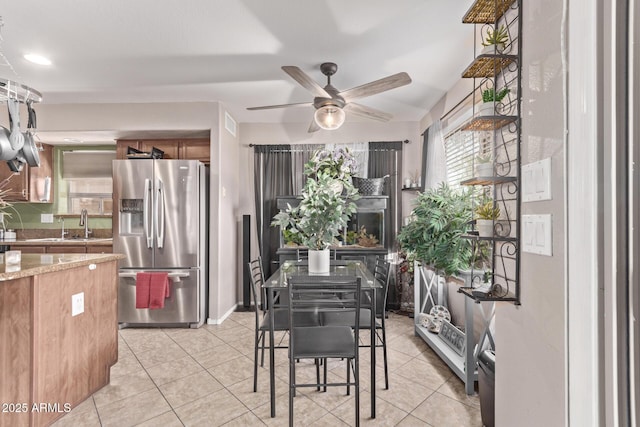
x=484, y=165
x=490, y=98
x=496, y=37
x=486, y=215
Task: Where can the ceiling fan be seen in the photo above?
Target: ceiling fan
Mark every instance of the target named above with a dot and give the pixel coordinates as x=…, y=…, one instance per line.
x=330, y=104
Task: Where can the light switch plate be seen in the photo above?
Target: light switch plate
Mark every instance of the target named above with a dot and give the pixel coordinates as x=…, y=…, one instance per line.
x=77, y=304
x=536, y=234
x=536, y=181
x=46, y=218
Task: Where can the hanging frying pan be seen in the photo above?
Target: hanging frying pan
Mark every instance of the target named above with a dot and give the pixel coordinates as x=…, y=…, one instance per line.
x=30, y=151
x=6, y=151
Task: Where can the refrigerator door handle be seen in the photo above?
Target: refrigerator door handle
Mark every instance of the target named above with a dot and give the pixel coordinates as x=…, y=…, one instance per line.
x=147, y=218
x=172, y=275
x=159, y=210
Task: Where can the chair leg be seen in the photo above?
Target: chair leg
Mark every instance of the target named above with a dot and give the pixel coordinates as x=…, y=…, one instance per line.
x=317, y=361
x=255, y=361
x=264, y=338
x=356, y=377
x=292, y=390
x=325, y=375
x=348, y=376
x=384, y=355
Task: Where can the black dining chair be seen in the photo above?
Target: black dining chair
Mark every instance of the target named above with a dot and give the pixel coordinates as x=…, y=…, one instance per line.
x=264, y=313
x=317, y=294
x=381, y=274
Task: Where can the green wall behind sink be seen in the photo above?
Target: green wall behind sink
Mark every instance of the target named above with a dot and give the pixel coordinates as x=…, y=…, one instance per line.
x=27, y=215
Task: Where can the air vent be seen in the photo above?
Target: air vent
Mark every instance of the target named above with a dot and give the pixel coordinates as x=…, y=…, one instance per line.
x=229, y=124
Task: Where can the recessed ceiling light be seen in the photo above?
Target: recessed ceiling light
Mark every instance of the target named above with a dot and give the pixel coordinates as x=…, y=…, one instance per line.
x=74, y=140
x=37, y=59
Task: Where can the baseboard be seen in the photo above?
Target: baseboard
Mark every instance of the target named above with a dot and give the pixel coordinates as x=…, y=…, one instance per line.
x=211, y=321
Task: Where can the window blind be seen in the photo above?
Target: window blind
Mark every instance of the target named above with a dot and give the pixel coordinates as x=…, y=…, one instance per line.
x=87, y=164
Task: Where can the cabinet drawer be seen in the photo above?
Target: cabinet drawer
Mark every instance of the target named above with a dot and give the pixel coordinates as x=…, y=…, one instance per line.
x=100, y=249
x=29, y=249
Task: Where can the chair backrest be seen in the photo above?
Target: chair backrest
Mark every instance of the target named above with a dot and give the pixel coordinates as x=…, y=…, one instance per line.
x=257, y=280
x=381, y=274
x=317, y=294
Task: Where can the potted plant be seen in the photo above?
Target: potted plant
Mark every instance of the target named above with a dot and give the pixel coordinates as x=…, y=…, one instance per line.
x=325, y=208
x=486, y=215
x=434, y=236
x=484, y=165
x=496, y=40
x=489, y=100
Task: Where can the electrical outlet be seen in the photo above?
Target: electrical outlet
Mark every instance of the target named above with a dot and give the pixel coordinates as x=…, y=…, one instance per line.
x=77, y=304
x=46, y=218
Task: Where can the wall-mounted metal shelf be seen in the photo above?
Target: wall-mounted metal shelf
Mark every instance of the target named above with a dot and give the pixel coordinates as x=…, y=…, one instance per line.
x=486, y=11
x=488, y=65
x=489, y=180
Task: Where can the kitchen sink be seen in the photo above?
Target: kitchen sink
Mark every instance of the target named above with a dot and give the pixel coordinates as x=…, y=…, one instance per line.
x=59, y=239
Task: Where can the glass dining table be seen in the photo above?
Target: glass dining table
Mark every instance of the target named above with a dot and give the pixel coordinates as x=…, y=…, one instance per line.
x=278, y=283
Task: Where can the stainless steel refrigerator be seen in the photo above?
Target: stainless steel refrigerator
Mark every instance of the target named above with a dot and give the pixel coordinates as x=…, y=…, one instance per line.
x=160, y=223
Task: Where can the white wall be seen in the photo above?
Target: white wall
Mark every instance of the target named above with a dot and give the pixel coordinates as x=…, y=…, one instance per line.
x=530, y=339
x=224, y=247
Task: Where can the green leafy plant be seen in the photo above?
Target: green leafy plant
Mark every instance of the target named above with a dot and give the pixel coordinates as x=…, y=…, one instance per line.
x=488, y=211
x=498, y=37
x=434, y=236
x=484, y=158
x=325, y=208
x=490, y=95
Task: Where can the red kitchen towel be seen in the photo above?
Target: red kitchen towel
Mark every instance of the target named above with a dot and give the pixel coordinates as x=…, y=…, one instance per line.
x=143, y=282
x=158, y=290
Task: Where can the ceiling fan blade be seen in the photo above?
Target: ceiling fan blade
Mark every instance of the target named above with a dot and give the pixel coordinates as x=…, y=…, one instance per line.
x=368, y=112
x=382, y=85
x=269, y=107
x=313, y=127
x=305, y=81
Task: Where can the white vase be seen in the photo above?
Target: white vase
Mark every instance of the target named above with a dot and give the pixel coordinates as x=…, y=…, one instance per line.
x=484, y=169
x=319, y=261
x=487, y=109
x=484, y=227
x=492, y=49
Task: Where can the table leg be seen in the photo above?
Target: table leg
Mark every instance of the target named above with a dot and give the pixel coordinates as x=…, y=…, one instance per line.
x=272, y=365
x=373, y=353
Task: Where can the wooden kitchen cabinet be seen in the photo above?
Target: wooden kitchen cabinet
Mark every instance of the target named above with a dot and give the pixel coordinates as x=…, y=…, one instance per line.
x=28, y=249
x=186, y=148
x=28, y=184
x=196, y=149
x=95, y=249
x=66, y=249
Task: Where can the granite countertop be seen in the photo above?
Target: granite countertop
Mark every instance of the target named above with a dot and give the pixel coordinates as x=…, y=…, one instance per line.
x=34, y=264
x=52, y=241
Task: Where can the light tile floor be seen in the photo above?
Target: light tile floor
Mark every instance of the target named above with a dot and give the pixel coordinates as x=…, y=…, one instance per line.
x=204, y=377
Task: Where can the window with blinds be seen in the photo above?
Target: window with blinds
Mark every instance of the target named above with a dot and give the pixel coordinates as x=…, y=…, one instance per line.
x=461, y=148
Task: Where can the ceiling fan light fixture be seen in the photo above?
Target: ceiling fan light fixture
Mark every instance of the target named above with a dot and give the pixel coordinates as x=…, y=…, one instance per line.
x=329, y=117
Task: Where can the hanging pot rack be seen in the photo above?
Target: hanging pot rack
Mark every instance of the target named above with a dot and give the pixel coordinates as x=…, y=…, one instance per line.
x=10, y=89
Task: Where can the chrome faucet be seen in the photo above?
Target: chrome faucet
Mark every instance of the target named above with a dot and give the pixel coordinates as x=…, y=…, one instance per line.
x=84, y=221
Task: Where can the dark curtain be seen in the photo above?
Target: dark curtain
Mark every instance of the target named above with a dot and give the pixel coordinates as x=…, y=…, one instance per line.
x=425, y=150
x=272, y=178
x=385, y=158
x=301, y=154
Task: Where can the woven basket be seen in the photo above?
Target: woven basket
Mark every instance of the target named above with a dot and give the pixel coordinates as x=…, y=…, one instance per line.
x=369, y=186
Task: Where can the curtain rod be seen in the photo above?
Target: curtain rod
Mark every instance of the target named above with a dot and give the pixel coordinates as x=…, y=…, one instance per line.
x=457, y=105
